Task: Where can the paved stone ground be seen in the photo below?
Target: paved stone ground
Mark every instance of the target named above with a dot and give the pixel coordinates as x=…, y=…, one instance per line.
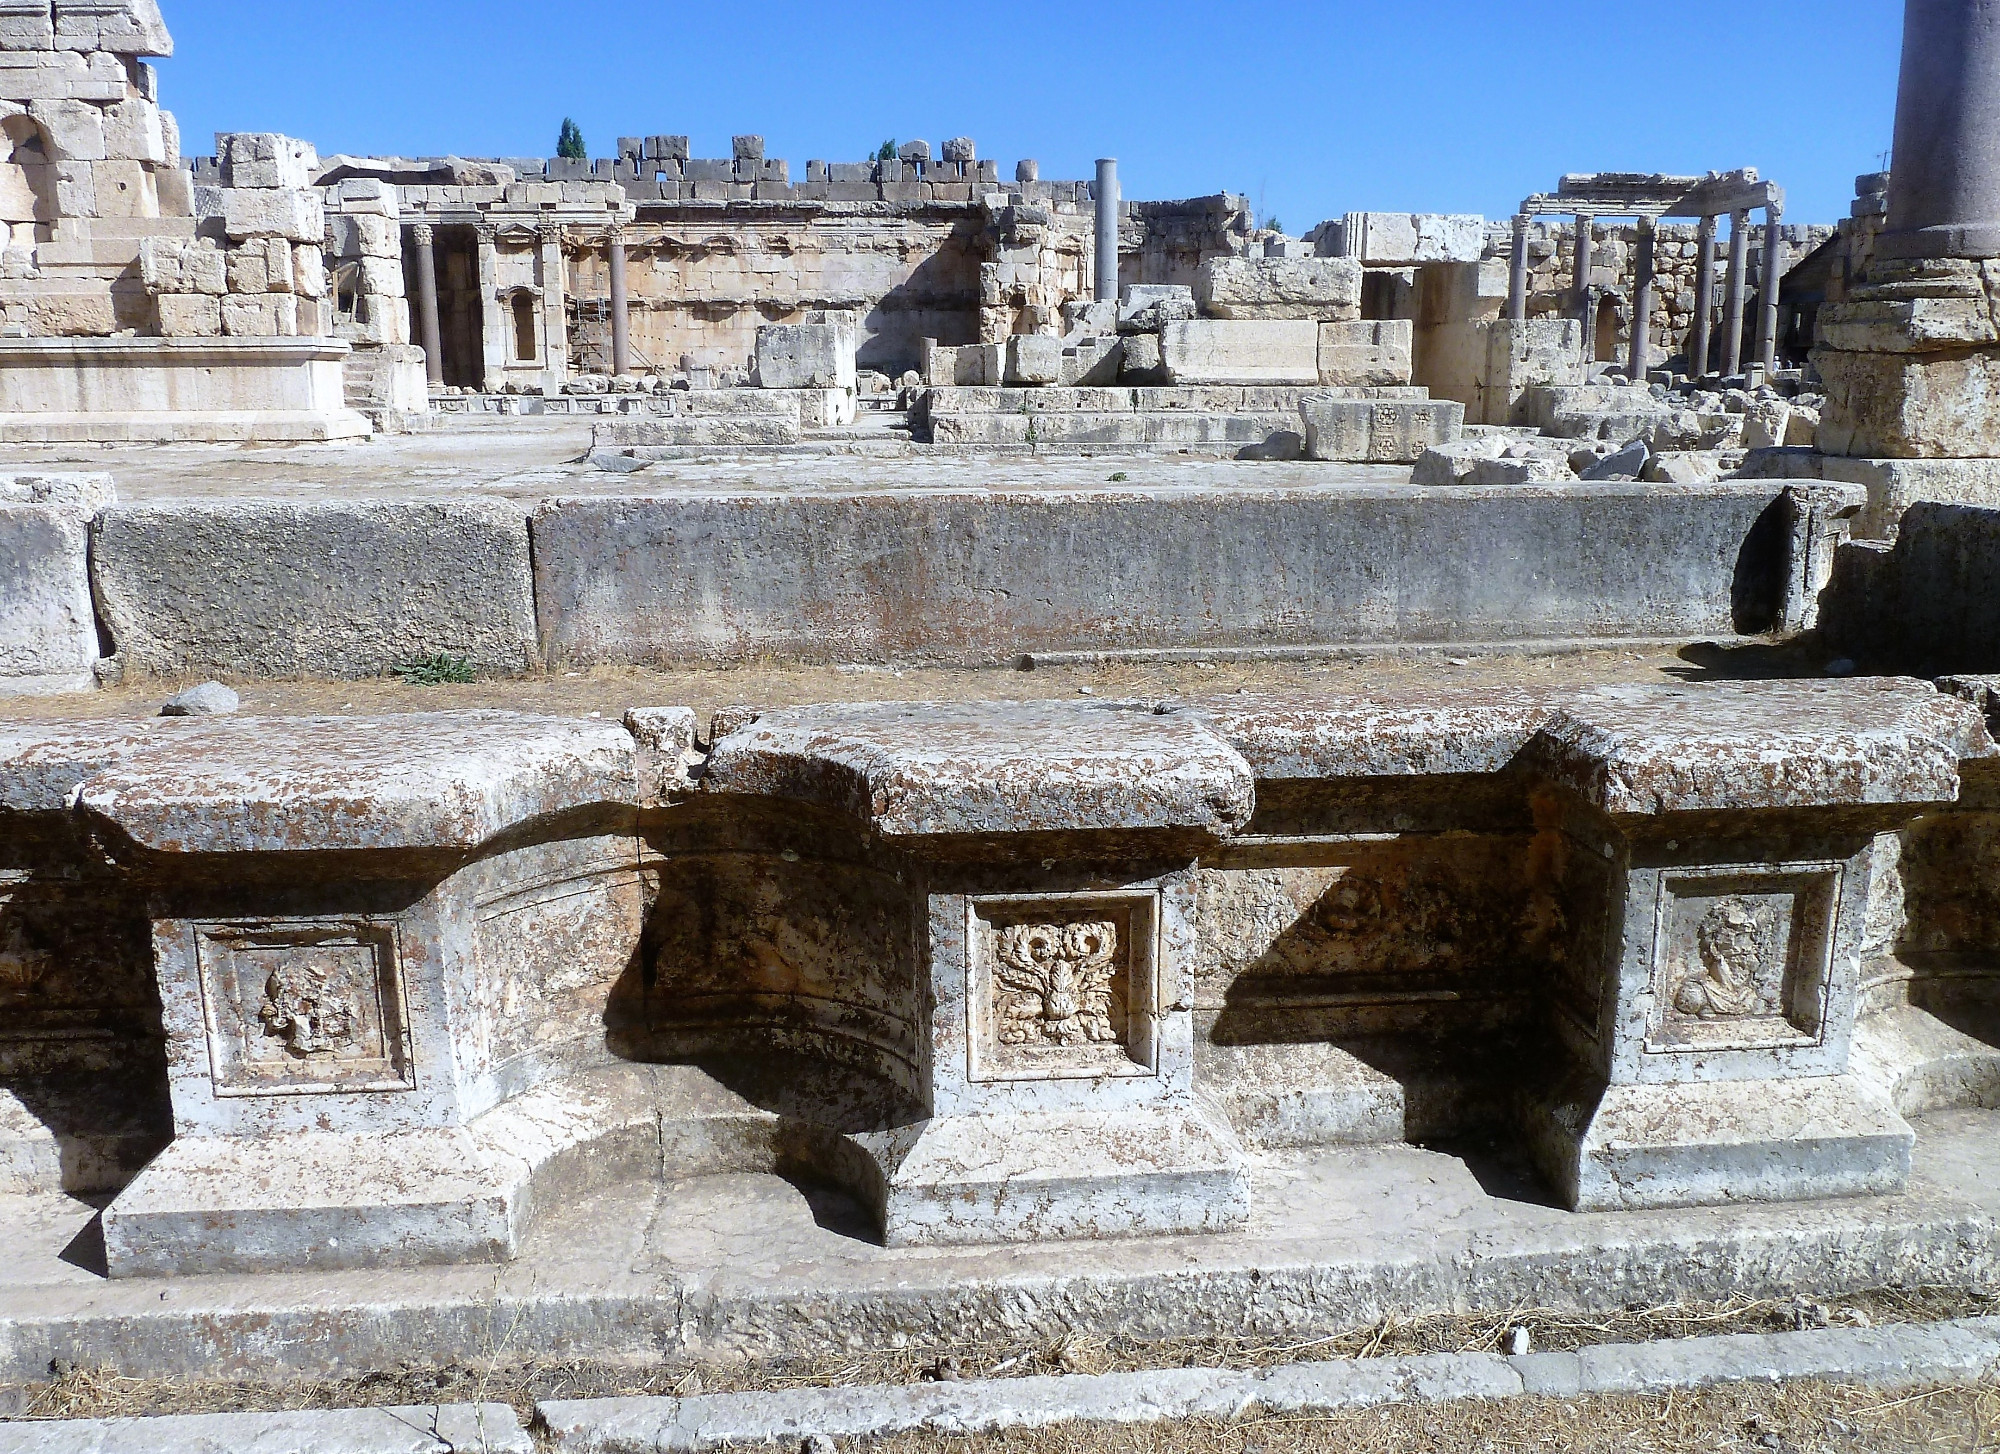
x=529, y=459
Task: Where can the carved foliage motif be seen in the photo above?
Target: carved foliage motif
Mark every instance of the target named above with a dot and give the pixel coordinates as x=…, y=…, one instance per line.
x=304, y=1007
x=1062, y=987
x=1053, y=983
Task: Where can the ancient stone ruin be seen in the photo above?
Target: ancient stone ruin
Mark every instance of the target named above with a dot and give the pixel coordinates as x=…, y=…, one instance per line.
x=996, y=1003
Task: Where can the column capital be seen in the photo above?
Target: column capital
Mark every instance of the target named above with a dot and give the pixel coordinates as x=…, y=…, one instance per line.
x=486, y=232
x=423, y=234
x=549, y=232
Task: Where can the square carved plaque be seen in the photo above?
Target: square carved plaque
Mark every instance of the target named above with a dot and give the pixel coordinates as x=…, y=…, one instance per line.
x=1742, y=960
x=304, y=1008
x=1063, y=987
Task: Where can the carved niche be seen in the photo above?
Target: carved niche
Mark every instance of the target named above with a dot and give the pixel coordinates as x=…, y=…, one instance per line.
x=304, y=1008
x=1741, y=961
x=1062, y=988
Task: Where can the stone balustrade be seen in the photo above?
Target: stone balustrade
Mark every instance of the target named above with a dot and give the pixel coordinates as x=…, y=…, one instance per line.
x=375, y=991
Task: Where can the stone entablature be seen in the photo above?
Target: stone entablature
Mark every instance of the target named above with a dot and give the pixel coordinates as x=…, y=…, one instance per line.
x=1005, y=971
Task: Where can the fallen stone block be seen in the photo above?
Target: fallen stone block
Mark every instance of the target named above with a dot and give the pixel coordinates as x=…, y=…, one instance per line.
x=337, y=590
x=48, y=625
x=1378, y=430
x=1033, y=358
x=1149, y=307
x=805, y=356
x=1324, y=289
x=1232, y=351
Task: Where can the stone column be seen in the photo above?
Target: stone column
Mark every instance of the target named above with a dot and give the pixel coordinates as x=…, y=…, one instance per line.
x=1732, y=297
x=1774, y=277
x=555, y=319
x=1517, y=272
x=492, y=326
x=621, y=316
x=1642, y=304
x=430, y=332
x=1107, y=229
x=1704, y=298
x=1586, y=301
x=1944, y=179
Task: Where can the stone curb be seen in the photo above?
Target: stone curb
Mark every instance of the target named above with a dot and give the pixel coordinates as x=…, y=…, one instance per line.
x=1898, y=1354
x=424, y=1429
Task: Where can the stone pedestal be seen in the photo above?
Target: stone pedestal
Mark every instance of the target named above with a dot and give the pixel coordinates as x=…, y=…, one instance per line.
x=1711, y=859
x=1018, y=983
x=372, y=940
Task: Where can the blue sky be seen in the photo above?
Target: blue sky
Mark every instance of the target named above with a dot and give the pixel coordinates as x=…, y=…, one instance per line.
x=1317, y=108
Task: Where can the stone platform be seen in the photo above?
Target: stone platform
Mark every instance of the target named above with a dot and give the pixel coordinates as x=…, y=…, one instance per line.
x=174, y=390
x=752, y=1264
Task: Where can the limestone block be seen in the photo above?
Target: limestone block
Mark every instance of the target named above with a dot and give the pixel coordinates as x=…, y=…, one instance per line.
x=1034, y=358
x=74, y=129
x=297, y=216
x=1766, y=423
x=366, y=197
x=1142, y=362
x=432, y=1429
x=1380, y=430
x=27, y=25
x=958, y=149
x=123, y=27
x=132, y=132
x=308, y=273
x=1889, y=405
x=76, y=189
x=249, y=268
x=747, y=148
x=805, y=356
x=48, y=626
x=124, y=189
x=366, y=236
x=260, y=315
x=1452, y=463
x=1367, y=354
x=1231, y=351
x=190, y=315
x=175, y=185
x=1149, y=307
x=269, y=588
x=382, y=277
x=1407, y=239
x=261, y=159
x=1326, y=289
x=72, y=315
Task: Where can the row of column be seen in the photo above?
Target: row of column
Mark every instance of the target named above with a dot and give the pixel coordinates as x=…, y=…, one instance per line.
x=1736, y=289
x=555, y=328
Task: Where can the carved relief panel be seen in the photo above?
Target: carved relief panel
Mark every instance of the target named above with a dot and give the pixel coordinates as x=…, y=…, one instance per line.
x=1741, y=961
x=304, y=1008
x=1062, y=988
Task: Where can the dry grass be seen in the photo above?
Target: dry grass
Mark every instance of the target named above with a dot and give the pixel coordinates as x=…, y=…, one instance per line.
x=507, y=1378
x=1801, y=1418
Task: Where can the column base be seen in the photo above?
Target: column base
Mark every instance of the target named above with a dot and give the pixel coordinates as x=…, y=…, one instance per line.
x=1045, y=1176
x=1702, y=1143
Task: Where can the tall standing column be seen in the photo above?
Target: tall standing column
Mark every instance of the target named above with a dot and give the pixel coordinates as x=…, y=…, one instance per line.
x=431, y=333
x=1704, y=298
x=1774, y=277
x=1586, y=300
x=1642, y=304
x=1107, y=229
x=1944, y=176
x=555, y=314
x=1732, y=296
x=1517, y=271
x=621, y=316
